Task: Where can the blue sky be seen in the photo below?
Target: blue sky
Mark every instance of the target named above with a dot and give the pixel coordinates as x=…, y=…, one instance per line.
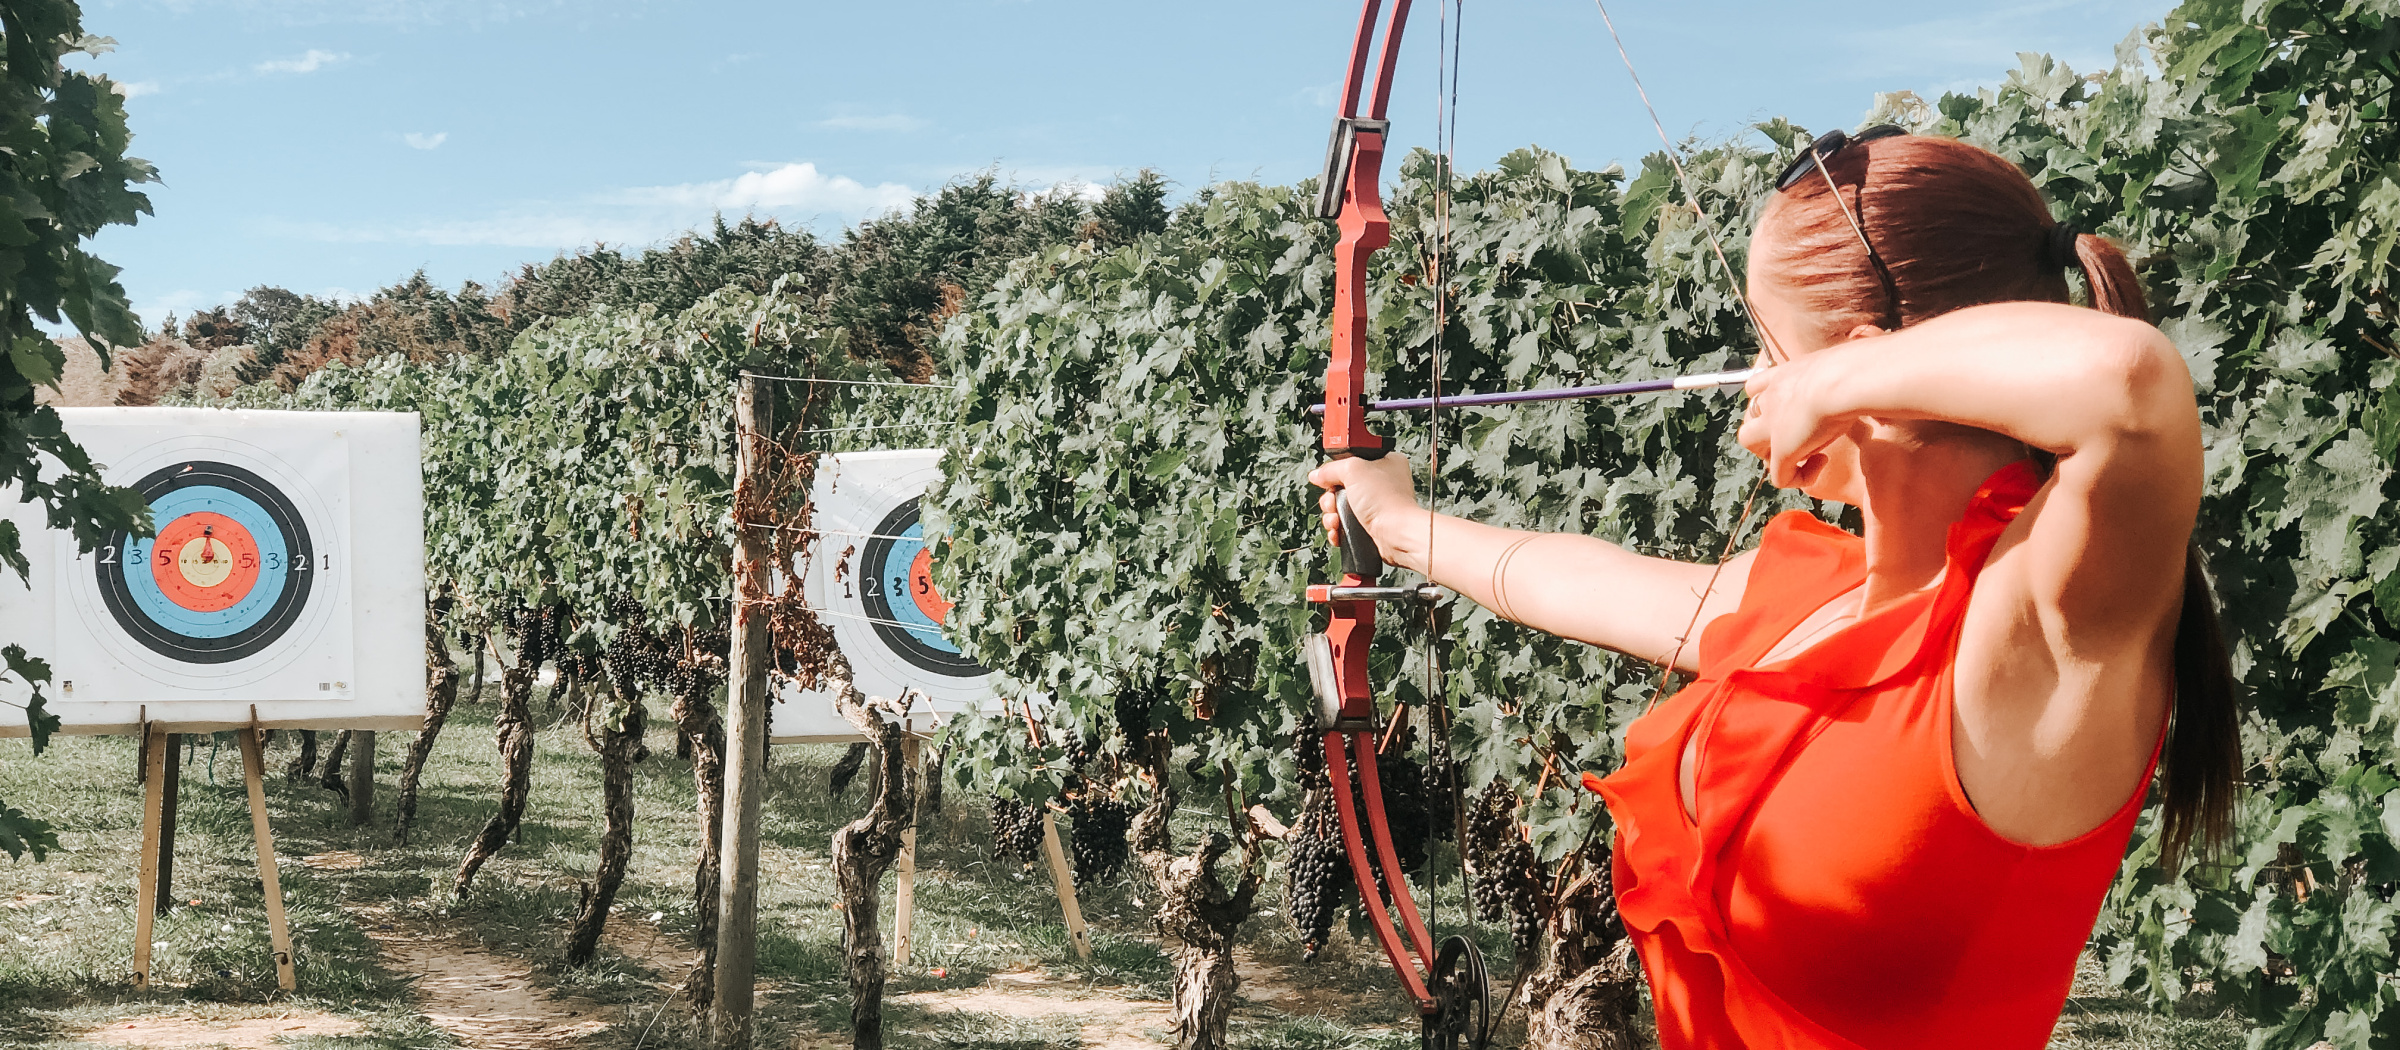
x=333, y=146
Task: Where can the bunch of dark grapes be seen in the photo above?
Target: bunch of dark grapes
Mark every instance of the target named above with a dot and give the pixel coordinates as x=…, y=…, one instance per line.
x=1083, y=756
x=546, y=641
x=1316, y=879
x=1016, y=830
x=1100, y=824
x=635, y=651
x=1134, y=705
x=1504, y=874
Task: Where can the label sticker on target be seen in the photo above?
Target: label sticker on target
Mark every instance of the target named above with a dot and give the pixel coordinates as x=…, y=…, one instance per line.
x=271, y=587
x=871, y=581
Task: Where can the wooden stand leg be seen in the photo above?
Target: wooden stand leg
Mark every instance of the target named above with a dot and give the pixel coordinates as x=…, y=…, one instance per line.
x=279, y=933
x=165, y=893
x=904, y=893
x=145, y=897
x=1063, y=878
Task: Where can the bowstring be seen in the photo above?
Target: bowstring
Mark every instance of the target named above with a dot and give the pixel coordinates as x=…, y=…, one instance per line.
x=1766, y=341
x=1447, y=33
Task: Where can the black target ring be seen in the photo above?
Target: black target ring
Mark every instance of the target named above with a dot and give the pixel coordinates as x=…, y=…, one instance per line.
x=885, y=569
x=257, y=630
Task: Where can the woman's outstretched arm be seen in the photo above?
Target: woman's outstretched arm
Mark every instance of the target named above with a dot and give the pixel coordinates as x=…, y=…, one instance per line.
x=1577, y=587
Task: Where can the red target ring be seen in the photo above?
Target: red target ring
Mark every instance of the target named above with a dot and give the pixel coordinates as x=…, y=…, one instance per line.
x=928, y=597
x=205, y=562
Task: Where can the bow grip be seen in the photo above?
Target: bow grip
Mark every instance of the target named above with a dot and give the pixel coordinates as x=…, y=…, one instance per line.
x=1360, y=556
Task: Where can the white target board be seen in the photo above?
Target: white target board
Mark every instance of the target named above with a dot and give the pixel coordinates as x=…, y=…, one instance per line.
x=273, y=588
x=870, y=579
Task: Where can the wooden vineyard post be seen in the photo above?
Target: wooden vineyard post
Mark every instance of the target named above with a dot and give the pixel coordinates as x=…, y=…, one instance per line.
x=279, y=933
x=745, y=734
x=1063, y=878
x=904, y=890
x=154, y=804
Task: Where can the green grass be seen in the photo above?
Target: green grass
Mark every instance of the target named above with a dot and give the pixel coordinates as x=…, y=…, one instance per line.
x=66, y=925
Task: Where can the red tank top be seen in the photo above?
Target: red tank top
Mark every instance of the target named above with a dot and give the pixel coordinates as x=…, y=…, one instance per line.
x=1838, y=889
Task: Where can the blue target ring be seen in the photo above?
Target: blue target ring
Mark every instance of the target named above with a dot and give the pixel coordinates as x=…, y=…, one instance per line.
x=141, y=584
x=286, y=569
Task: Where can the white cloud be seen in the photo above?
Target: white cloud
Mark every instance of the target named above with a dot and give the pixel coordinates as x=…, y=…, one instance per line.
x=788, y=188
x=135, y=89
x=182, y=302
x=882, y=122
x=421, y=140
x=794, y=193
x=308, y=62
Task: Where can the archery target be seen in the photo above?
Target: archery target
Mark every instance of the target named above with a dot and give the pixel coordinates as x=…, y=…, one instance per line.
x=870, y=578
x=245, y=600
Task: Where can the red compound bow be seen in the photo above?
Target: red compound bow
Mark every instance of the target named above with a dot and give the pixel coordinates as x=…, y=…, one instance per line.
x=1449, y=987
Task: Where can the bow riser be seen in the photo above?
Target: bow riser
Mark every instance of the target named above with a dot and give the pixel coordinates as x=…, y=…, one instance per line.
x=1365, y=231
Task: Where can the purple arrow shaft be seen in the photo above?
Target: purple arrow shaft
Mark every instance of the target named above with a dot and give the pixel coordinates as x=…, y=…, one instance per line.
x=1514, y=397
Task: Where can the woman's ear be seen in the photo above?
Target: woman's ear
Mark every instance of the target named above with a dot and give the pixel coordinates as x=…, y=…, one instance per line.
x=1864, y=331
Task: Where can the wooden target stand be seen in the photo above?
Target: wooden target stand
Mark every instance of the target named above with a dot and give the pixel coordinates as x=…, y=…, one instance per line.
x=154, y=803
x=904, y=890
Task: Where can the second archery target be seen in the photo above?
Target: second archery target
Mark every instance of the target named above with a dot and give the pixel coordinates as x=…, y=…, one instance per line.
x=870, y=578
x=894, y=580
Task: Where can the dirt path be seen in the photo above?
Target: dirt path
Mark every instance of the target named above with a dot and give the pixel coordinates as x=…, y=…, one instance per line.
x=249, y=1033
x=1106, y=1022
x=485, y=1000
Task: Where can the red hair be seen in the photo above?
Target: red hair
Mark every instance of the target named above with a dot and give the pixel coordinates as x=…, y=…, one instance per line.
x=1958, y=226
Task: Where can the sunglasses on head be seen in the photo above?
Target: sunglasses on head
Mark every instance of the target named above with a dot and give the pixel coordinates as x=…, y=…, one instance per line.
x=1825, y=147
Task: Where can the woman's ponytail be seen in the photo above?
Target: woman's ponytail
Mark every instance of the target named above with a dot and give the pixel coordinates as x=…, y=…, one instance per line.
x=2202, y=763
x=2114, y=288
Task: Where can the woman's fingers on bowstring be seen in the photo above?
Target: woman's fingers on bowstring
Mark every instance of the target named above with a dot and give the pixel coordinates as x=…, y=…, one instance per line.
x=1778, y=427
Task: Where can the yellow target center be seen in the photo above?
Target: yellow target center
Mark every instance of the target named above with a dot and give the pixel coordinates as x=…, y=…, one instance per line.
x=205, y=561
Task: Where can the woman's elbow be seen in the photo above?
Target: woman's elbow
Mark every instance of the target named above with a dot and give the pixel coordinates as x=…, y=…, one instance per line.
x=2144, y=386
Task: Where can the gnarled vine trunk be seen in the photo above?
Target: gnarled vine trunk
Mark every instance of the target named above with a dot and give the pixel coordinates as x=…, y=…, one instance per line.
x=332, y=779
x=695, y=712
x=441, y=694
x=864, y=849
x=618, y=744
x=304, y=761
x=514, y=732
x=1587, y=993
x=1198, y=916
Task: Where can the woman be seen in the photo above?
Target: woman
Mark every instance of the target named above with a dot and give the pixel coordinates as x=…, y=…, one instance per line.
x=1886, y=811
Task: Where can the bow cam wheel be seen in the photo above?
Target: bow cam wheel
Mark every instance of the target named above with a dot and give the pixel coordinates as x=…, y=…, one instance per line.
x=1461, y=1018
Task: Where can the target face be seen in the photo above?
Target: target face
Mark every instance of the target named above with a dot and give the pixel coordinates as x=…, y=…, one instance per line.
x=870, y=577
x=227, y=575
x=243, y=589
x=895, y=580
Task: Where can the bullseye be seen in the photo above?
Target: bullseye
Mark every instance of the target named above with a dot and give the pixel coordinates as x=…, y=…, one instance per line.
x=205, y=562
